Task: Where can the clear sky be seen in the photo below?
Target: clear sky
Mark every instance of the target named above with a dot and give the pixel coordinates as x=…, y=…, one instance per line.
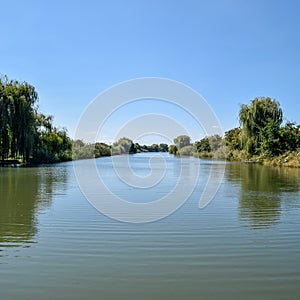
x=229, y=51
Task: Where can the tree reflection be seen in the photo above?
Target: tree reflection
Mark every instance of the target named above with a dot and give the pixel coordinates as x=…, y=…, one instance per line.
x=23, y=193
x=263, y=191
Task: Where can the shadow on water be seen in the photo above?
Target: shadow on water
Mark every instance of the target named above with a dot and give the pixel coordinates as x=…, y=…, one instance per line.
x=23, y=193
x=264, y=192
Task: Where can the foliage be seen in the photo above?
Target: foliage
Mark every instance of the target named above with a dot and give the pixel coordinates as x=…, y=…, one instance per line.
x=126, y=146
x=123, y=146
x=182, y=146
x=173, y=149
x=203, y=145
x=52, y=146
x=233, y=144
x=220, y=153
x=81, y=150
x=187, y=151
x=260, y=123
x=29, y=135
x=211, y=147
x=182, y=141
x=289, y=137
x=233, y=139
x=152, y=148
x=287, y=159
x=17, y=119
x=261, y=138
x=215, y=142
x=25, y=133
x=102, y=149
x=163, y=147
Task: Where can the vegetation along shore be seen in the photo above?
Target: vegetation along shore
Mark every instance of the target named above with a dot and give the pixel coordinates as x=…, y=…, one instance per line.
x=29, y=136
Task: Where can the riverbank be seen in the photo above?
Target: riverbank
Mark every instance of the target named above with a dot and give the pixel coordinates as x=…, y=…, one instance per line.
x=13, y=163
x=290, y=159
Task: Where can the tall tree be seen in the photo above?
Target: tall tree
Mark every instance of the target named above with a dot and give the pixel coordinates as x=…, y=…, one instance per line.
x=4, y=120
x=260, y=122
x=24, y=132
x=17, y=107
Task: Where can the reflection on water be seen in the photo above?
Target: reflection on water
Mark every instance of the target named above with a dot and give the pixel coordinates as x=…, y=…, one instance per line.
x=24, y=192
x=263, y=191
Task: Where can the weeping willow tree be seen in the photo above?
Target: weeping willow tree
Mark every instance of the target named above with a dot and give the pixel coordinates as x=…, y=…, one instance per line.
x=17, y=123
x=25, y=133
x=260, y=122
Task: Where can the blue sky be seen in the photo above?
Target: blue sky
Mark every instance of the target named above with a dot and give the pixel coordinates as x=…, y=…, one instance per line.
x=229, y=51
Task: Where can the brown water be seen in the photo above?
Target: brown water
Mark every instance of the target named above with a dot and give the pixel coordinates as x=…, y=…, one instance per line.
x=243, y=245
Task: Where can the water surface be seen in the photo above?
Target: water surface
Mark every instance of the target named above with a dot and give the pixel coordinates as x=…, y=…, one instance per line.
x=243, y=245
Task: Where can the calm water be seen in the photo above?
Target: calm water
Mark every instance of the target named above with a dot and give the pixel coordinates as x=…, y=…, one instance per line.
x=244, y=245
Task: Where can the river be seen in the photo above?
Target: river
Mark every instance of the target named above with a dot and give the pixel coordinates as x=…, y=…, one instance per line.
x=243, y=245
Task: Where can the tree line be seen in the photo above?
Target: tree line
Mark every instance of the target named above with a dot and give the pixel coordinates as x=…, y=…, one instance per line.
x=261, y=137
x=30, y=136
x=124, y=145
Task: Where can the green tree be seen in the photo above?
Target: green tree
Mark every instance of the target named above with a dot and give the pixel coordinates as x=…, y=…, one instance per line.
x=163, y=147
x=123, y=146
x=24, y=132
x=187, y=151
x=215, y=142
x=233, y=144
x=17, y=126
x=173, y=149
x=260, y=122
x=138, y=147
x=290, y=137
x=53, y=146
x=81, y=150
x=154, y=148
x=182, y=141
x=102, y=149
x=233, y=139
x=203, y=145
x=5, y=121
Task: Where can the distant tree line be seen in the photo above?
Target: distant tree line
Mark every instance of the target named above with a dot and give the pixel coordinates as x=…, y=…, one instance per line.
x=83, y=150
x=124, y=145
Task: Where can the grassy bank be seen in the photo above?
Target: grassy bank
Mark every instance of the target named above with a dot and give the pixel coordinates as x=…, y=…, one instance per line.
x=289, y=159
